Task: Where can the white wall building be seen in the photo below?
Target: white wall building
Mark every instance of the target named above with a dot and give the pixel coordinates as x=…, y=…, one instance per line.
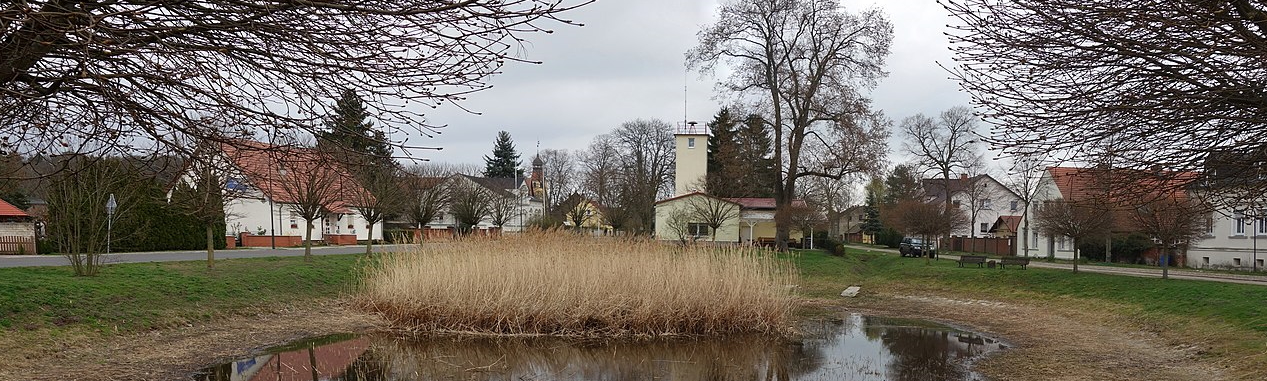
x=259, y=202
x=981, y=198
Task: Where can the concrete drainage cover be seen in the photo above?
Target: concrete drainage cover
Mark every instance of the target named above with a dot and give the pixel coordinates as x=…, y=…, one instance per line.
x=850, y=292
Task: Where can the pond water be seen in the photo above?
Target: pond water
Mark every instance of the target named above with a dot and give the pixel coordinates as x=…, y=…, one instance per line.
x=855, y=347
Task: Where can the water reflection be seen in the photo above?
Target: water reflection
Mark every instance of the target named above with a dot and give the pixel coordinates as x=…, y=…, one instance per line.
x=854, y=348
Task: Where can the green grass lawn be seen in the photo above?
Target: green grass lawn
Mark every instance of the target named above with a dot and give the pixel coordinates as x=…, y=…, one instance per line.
x=153, y=295
x=139, y=296
x=1240, y=306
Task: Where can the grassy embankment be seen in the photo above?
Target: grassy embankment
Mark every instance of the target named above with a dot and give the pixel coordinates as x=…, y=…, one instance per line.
x=138, y=297
x=144, y=296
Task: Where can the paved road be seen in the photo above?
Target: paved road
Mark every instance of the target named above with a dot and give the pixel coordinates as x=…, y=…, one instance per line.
x=172, y=256
x=1128, y=271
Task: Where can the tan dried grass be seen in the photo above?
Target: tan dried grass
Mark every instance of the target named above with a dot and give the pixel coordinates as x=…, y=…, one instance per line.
x=564, y=284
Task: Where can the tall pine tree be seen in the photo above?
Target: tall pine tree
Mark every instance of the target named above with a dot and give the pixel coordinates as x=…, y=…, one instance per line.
x=723, y=155
x=352, y=136
x=505, y=160
x=760, y=175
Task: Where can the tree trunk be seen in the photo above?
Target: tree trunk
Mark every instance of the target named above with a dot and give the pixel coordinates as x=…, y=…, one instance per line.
x=211, y=247
x=308, y=242
x=1108, y=249
x=1165, y=263
x=1075, y=256
x=1025, y=241
x=369, y=239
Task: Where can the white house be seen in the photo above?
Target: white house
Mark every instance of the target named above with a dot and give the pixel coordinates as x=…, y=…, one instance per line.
x=265, y=183
x=1235, y=239
x=524, y=206
x=981, y=198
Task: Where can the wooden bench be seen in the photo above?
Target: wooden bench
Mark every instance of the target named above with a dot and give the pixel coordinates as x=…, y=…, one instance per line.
x=1018, y=261
x=978, y=259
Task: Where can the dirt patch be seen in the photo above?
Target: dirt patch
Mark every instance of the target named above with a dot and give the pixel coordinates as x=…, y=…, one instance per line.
x=1052, y=342
x=169, y=354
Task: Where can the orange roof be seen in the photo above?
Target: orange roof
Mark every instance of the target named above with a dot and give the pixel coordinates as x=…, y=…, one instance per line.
x=8, y=210
x=1121, y=185
x=279, y=172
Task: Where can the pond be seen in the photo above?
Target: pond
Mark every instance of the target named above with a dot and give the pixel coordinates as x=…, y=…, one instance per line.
x=855, y=347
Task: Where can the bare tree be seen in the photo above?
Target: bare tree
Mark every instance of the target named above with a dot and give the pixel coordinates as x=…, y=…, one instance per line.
x=561, y=177
x=1077, y=220
x=112, y=77
x=833, y=197
x=804, y=219
x=204, y=191
x=927, y=220
x=469, y=203
x=1173, y=221
x=380, y=194
x=712, y=211
x=1023, y=179
x=680, y=224
x=804, y=64
x=502, y=208
x=646, y=149
x=943, y=145
x=1171, y=81
x=600, y=163
x=425, y=196
x=77, y=220
x=312, y=185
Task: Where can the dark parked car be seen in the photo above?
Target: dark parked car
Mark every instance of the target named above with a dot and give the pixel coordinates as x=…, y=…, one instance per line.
x=914, y=247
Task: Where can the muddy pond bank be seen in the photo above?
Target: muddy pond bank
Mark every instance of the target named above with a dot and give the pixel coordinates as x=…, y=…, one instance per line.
x=850, y=347
x=1049, y=346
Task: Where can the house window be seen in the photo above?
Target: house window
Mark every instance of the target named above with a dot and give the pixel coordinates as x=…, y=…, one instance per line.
x=1035, y=239
x=1262, y=226
x=1205, y=261
x=690, y=142
x=955, y=203
x=1014, y=205
x=294, y=222
x=1238, y=223
x=1209, y=224
x=985, y=227
x=1236, y=261
x=985, y=204
x=1060, y=243
x=1260, y=263
x=697, y=229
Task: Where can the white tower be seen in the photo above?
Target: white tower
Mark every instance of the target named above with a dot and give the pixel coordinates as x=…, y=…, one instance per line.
x=691, y=158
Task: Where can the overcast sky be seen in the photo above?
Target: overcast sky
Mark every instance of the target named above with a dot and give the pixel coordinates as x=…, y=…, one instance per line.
x=627, y=63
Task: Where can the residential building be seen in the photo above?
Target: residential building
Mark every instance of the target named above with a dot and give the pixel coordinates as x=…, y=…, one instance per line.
x=269, y=183
x=981, y=198
x=522, y=206
x=752, y=220
x=17, y=230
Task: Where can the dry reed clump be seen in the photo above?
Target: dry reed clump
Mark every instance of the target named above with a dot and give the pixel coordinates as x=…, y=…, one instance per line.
x=563, y=284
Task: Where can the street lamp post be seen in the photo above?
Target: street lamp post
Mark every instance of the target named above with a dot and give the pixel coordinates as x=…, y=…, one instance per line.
x=111, y=206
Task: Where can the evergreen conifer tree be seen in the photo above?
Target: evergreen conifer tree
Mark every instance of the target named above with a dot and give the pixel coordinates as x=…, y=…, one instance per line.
x=505, y=160
x=725, y=168
x=352, y=136
x=760, y=177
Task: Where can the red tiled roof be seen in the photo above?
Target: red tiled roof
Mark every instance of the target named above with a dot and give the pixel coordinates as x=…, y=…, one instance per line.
x=8, y=210
x=681, y=196
x=1121, y=184
x=270, y=168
